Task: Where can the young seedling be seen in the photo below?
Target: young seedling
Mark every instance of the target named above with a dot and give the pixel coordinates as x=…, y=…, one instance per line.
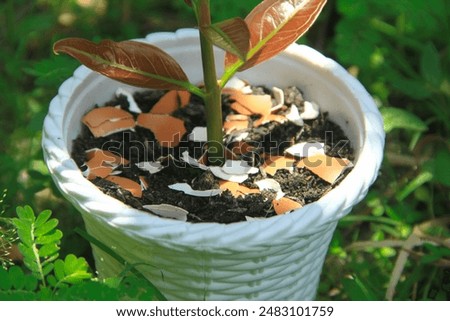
x=269, y=29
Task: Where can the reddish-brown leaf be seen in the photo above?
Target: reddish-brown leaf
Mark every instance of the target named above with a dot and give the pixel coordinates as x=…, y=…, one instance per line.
x=274, y=25
x=232, y=35
x=134, y=63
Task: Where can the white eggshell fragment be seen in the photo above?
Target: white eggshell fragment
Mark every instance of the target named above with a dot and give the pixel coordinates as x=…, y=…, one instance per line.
x=133, y=105
x=311, y=110
x=198, y=134
x=187, y=189
x=168, y=211
x=278, y=94
x=294, y=116
x=192, y=161
x=151, y=167
x=238, y=167
x=306, y=149
x=220, y=173
x=271, y=185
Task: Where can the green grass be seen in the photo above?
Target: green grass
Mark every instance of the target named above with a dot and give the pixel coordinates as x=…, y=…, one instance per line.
x=394, y=244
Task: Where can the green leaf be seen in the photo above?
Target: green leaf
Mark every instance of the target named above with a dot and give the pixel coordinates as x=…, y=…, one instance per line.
x=72, y=270
x=430, y=65
x=400, y=118
x=5, y=280
x=46, y=227
x=132, y=62
x=357, y=290
x=42, y=218
x=17, y=276
x=54, y=237
x=48, y=249
x=273, y=26
x=59, y=269
x=231, y=35
x=25, y=213
x=419, y=180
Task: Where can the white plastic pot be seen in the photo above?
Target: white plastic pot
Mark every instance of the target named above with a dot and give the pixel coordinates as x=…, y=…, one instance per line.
x=279, y=258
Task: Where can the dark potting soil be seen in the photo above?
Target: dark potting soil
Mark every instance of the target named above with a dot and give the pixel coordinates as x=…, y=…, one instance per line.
x=272, y=138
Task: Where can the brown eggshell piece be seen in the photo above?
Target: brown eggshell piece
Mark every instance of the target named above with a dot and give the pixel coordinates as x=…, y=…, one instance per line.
x=326, y=167
x=97, y=169
x=168, y=130
x=104, y=156
x=284, y=205
x=127, y=184
x=235, y=122
x=275, y=163
x=268, y=118
x=108, y=120
x=251, y=104
x=167, y=104
x=184, y=96
x=170, y=102
x=236, y=189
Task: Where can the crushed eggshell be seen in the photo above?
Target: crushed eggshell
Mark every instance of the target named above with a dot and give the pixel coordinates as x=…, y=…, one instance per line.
x=236, y=189
x=220, y=173
x=284, y=205
x=187, y=189
x=168, y=211
x=170, y=102
x=101, y=163
x=127, y=184
x=311, y=110
x=235, y=122
x=198, y=134
x=275, y=163
x=132, y=105
x=185, y=157
x=151, y=167
x=294, y=116
x=245, y=104
x=95, y=169
x=105, y=156
x=271, y=185
x=269, y=118
x=238, y=167
x=144, y=182
x=105, y=121
x=326, y=167
x=278, y=95
x=167, y=129
x=306, y=149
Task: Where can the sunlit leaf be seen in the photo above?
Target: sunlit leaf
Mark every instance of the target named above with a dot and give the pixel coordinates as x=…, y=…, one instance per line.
x=132, y=62
x=232, y=35
x=403, y=119
x=274, y=25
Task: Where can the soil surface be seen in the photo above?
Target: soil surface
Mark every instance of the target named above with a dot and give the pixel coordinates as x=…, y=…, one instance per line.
x=268, y=140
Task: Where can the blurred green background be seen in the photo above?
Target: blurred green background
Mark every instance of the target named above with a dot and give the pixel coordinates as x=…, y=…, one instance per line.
x=394, y=245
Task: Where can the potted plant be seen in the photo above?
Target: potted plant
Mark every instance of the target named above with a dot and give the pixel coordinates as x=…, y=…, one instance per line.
x=271, y=259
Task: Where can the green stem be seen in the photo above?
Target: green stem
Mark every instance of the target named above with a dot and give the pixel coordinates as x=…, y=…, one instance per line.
x=212, y=97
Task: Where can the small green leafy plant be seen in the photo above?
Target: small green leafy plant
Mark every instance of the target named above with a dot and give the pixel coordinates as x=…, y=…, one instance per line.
x=47, y=277
x=269, y=28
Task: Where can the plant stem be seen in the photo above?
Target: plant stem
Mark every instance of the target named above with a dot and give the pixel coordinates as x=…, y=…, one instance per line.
x=212, y=98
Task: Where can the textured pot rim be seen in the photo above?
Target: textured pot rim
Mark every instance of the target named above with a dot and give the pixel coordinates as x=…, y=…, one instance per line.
x=305, y=221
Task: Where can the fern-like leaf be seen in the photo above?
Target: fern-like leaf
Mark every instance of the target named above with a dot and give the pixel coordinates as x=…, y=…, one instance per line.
x=39, y=240
x=72, y=270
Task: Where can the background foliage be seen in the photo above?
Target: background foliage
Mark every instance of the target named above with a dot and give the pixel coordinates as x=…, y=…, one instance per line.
x=394, y=245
